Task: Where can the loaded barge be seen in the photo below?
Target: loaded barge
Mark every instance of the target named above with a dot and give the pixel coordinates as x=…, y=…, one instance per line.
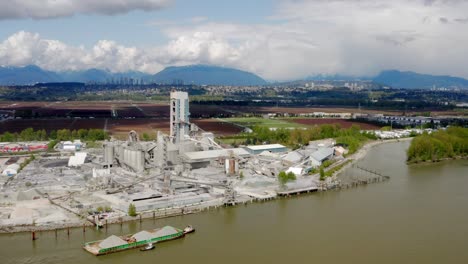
x=115, y=243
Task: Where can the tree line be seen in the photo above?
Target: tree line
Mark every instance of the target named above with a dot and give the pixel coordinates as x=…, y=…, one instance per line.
x=442, y=144
x=29, y=134
x=352, y=137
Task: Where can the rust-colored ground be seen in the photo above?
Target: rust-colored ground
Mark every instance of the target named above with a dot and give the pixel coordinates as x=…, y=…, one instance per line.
x=120, y=127
x=217, y=127
x=116, y=127
x=344, y=123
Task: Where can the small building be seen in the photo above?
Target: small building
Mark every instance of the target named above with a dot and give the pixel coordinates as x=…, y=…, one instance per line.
x=11, y=170
x=340, y=151
x=257, y=149
x=293, y=157
x=296, y=170
x=321, y=155
x=72, y=146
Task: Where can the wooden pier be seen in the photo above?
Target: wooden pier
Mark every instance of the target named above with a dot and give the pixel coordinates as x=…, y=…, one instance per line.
x=297, y=191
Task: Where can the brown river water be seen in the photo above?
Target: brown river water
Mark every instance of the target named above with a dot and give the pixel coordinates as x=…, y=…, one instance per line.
x=419, y=216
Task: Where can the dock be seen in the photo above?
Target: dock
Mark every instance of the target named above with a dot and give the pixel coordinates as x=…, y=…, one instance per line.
x=297, y=191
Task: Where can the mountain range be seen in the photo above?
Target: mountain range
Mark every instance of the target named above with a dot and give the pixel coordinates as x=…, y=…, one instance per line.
x=194, y=74
x=412, y=80
x=212, y=75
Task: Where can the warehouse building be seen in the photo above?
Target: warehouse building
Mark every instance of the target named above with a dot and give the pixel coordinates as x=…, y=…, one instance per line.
x=274, y=148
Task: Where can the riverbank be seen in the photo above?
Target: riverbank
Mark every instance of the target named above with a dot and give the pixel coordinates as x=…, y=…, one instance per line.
x=363, y=151
x=436, y=161
x=178, y=211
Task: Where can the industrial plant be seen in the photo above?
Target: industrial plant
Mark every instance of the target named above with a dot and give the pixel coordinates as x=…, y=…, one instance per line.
x=181, y=172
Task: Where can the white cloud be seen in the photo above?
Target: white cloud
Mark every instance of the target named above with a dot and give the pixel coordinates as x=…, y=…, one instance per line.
x=301, y=38
x=42, y=9
x=24, y=48
x=348, y=37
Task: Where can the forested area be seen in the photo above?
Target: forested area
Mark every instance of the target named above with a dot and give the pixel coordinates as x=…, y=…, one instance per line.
x=30, y=134
x=351, y=138
x=443, y=144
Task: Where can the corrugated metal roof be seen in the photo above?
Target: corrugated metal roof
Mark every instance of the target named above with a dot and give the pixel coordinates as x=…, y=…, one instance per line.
x=213, y=154
x=293, y=157
x=322, y=154
x=265, y=147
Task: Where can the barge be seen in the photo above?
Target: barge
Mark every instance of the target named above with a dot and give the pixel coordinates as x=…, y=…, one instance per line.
x=115, y=243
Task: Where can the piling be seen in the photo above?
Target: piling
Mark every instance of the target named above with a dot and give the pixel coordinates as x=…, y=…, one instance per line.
x=34, y=235
x=84, y=228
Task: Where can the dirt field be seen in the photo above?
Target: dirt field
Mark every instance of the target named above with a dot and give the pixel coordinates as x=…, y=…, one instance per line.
x=344, y=123
x=48, y=124
x=120, y=127
x=103, y=109
x=217, y=127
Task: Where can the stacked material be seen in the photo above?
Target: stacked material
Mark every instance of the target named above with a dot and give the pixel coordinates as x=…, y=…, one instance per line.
x=143, y=236
x=112, y=241
x=166, y=231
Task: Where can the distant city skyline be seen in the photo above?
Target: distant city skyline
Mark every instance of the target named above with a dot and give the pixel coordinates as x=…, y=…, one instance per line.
x=278, y=40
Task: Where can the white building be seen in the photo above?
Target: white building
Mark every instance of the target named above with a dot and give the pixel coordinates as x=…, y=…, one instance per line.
x=72, y=146
x=257, y=149
x=180, y=123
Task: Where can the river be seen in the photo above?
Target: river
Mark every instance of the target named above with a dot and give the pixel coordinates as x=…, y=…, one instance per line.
x=419, y=216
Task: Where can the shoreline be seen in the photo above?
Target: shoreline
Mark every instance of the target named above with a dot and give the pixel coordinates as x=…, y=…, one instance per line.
x=362, y=152
x=171, y=212
x=436, y=161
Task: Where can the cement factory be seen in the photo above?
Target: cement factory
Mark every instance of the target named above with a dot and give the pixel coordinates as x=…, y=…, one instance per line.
x=185, y=171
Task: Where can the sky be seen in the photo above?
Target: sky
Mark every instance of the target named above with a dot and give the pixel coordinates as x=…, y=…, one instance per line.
x=276, y=39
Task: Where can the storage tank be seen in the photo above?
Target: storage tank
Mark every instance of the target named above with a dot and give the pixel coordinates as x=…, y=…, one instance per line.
x=108, y=154
x=232, y=166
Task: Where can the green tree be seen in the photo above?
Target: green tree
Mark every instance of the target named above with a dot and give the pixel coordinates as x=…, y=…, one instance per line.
x=284, y=177
x=53, y=135
x=146, y=137
x=322, y=174
x=27, y=134
x=52, y=144
x=291, y=176
x=74, y=134
x=132, y=210
x=41, y=135
x=7, y=137
x=63, y=134
x=82, y=133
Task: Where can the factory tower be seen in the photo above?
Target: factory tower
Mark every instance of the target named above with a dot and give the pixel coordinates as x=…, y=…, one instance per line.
x=180, y=123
